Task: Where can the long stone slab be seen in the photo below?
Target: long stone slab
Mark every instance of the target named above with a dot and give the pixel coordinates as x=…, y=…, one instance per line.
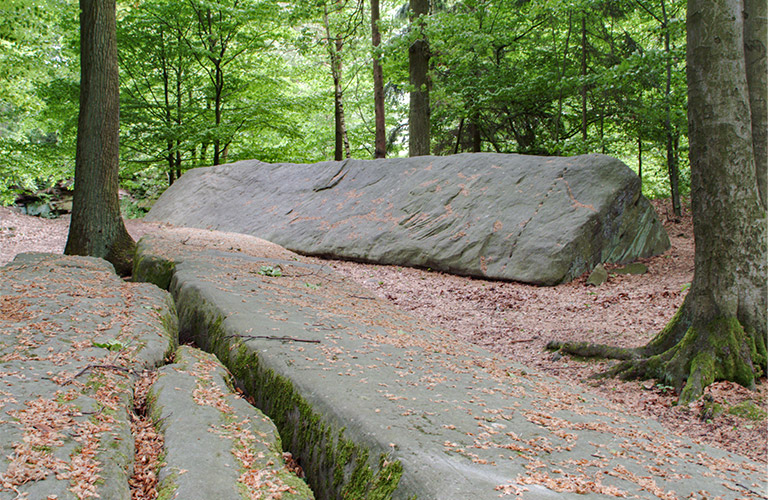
x=72, y=334
x=376, y=404
x=217, y=445
x=542, y=220
x=73, y=337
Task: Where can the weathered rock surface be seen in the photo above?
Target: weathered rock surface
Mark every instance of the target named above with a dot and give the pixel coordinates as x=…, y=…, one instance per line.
x=217, y=445
x=376, y=404
x=71, y=333
x=73, y=336
x=542, y=220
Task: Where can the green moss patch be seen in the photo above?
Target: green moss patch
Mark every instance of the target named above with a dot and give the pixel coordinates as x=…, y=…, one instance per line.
x=749, y=410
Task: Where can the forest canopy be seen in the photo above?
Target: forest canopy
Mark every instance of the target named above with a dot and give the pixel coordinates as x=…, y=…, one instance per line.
x=214, y=81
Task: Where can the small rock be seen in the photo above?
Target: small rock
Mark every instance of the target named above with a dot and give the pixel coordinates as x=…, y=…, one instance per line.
x=636, y=268
x=598, y=276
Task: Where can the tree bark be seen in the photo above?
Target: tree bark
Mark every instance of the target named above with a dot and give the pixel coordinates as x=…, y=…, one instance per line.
x=755, y=43
x=719, y=333
x=96, y=228
x=584, y=122
x=418, y=63
x=380, y=140
x=729, y=285
x=672, y=163
x=335, y=47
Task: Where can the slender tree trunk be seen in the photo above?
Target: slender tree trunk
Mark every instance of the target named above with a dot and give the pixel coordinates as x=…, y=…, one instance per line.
x=584, y=122
x=217, y=112
x=477, y=140
x=342, y=122
x=418, y=62
x=458, y=137
x=167, y=105
x=169, y=160
x=380, y=141
x=179, y=106
x=96, y=228
x=640, y=157
x=335, y=47
x=559, y=116
x=672, y=159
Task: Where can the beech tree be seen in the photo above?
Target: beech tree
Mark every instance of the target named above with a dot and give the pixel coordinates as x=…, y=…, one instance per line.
x=380, y=140
x=418, y=57
x=96, y=228
x=719, y=333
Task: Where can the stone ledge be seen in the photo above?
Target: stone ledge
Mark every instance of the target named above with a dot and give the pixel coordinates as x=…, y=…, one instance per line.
x=217, y=445
x=73, y=335
x=376, y=404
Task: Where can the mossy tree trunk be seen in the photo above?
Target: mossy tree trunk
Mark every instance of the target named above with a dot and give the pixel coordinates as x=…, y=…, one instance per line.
x=720, y=331
x=96, y=228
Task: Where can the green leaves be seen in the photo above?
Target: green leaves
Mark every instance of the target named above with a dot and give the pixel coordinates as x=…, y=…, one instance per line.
x=274, y=272
x=111, y=345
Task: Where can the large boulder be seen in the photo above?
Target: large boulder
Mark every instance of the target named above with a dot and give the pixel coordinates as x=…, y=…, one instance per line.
x=541, y=220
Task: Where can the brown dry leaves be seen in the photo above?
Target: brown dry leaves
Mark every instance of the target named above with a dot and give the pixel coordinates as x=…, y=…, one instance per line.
x=262, y=483
x=517, y=320
x=148, y=443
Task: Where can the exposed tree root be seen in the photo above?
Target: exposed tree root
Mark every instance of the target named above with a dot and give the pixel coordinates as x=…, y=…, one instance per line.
x=590, y=350
x=688, y=355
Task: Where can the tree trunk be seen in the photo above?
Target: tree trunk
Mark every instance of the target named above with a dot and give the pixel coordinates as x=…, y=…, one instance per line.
x=719, y=333
x=418, y=63
x=335, y=47
x=755, y=28
x=726, y=338
x=672, y=159
x=96, y=228
x=584, y=135
x=559, y=116
x=458, y=136
x=380, y=141
x=217, y=110
x=640, y=157
x=477, y=140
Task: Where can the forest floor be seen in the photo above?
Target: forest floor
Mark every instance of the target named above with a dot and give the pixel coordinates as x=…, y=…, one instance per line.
x=516, y=321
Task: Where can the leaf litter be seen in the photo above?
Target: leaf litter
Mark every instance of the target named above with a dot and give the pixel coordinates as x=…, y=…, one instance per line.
x=517, y=320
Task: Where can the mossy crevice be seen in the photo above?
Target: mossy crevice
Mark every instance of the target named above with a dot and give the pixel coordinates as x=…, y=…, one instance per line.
x=152, y=269
x=335, y=466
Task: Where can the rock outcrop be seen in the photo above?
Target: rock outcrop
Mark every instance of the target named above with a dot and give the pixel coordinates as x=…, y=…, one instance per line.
x=541, y=220
x=376, y=404
x=74, y=338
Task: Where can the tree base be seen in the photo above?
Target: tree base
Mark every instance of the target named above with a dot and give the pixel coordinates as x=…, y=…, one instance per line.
x=705, y=352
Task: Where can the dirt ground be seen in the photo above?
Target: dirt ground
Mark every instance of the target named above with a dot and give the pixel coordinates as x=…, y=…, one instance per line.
x=516, y=321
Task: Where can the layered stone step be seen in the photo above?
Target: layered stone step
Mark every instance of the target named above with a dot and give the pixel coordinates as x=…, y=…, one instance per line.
x=217, y=445
x=72, y=334
x=377, y=404
x=73, y=339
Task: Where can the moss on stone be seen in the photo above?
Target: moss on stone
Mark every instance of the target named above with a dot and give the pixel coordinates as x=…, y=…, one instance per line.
x=387, y=479
x=749, y=410
x=326, y=453
x=167, y=487
x=151, y=268
x=335, y=466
